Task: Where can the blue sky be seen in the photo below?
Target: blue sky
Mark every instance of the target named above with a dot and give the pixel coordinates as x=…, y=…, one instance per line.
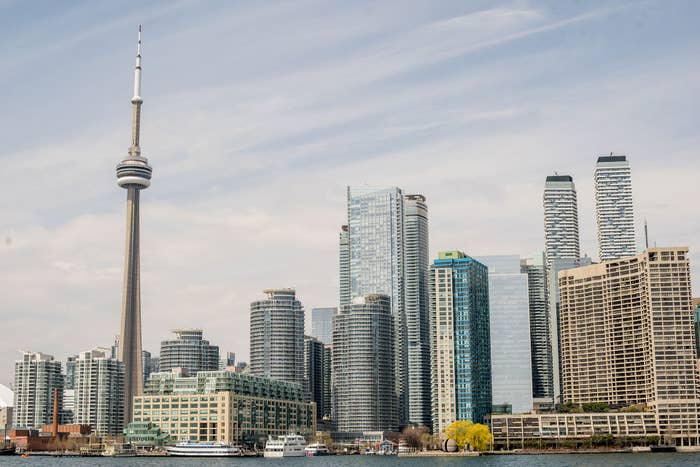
x=258, y=114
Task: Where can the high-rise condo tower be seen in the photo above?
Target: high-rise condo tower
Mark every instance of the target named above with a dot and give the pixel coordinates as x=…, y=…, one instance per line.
x=613, y=207
x=133, y=174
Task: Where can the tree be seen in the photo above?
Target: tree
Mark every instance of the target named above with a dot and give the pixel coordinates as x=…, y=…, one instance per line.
x=414, y=436
x=465, y=433
x=569, y=407
x=479, y=437
x=457, y=431
x=590, y=407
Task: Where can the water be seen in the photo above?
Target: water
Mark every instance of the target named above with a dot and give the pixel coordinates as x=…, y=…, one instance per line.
x=551, y=460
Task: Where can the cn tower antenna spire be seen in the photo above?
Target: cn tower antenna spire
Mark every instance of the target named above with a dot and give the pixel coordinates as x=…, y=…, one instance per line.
x=136, y=101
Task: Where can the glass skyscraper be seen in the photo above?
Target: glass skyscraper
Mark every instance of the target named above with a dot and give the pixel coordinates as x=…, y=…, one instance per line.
x=322, y=323
x=540, y=343
x=376, y=246
x=460, y=354
x=509, y=314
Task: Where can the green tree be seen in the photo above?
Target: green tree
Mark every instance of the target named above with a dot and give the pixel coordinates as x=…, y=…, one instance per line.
x=595, y=407
x=569, y=407
x=457, y=431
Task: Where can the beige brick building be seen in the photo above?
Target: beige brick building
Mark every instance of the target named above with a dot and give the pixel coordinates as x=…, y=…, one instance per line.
x=627, y=338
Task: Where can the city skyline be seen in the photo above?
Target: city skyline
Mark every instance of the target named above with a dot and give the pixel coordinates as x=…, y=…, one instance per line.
x=229, y=186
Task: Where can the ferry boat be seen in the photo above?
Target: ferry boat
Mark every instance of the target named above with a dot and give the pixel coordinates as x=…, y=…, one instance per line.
x=317, y=449
x=285, y=446
x=192, y=449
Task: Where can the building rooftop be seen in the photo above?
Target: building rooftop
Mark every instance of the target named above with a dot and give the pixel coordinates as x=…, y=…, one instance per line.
x=560, y=178
x=612, y=158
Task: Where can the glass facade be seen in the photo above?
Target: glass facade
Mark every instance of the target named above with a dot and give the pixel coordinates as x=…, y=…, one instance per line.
x=540, y=344
x=460, y=340
x=322, y=323
x=377, y=249
x=511, y=370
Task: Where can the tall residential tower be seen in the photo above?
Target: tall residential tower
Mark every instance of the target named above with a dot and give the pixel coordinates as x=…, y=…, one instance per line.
x=133, y=174
x=417, y=303
x=613, y=207
x=560, y=218
x=460, y=357
x=277, y=337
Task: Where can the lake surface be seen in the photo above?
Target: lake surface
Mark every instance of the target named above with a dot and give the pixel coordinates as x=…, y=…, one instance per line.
x=551, y=460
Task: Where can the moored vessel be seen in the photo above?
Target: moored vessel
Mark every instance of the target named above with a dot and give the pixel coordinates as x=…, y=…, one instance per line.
x=192, y=449
x=286, y=446
x=317, y=449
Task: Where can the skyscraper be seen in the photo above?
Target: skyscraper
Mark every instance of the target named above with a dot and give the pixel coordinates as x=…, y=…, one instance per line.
x=558, y=264
x=277, y=337
x=627, y=338
x=344, y=265
x=363, y=367
x=322, y=323
x=377, y=249
x=99, y=392
x=133, y=174
x=314, y=373
x=69, y=378
x=417, y=313
x=540, y=343
x=613, y=207
x=36, y=377
x=509, y=323
x=188, y=350
x=560, y=218
x=460, y=357
x=327, y=381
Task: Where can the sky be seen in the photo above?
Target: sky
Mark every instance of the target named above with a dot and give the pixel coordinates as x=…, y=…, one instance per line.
x=257, y=115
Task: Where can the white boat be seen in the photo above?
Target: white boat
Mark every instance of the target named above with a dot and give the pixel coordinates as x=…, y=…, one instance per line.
x=192, y=449
x=317, y=449
x=285, y=446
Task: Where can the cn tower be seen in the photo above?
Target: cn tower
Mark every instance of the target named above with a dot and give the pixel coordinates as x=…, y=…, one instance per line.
x=133, y=174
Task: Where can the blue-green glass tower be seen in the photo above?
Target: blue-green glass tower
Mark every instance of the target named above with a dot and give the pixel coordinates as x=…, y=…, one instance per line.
x=460, y=340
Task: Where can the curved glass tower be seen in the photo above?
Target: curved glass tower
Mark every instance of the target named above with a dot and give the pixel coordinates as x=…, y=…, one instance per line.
x=133, y=174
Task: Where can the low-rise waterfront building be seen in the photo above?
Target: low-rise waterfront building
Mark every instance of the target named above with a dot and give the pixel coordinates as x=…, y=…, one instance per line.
x=517, y=431
x=223, y=406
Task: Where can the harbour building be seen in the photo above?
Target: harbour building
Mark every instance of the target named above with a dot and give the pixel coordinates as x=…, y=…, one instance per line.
x=460, y=340
x=627, y=338
x=509, y=324
x=277, y=337
x=226, y=407
x=99, y=392
x=37, y=375
x=188, y=350
x=614, y=207
x=363, y=368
